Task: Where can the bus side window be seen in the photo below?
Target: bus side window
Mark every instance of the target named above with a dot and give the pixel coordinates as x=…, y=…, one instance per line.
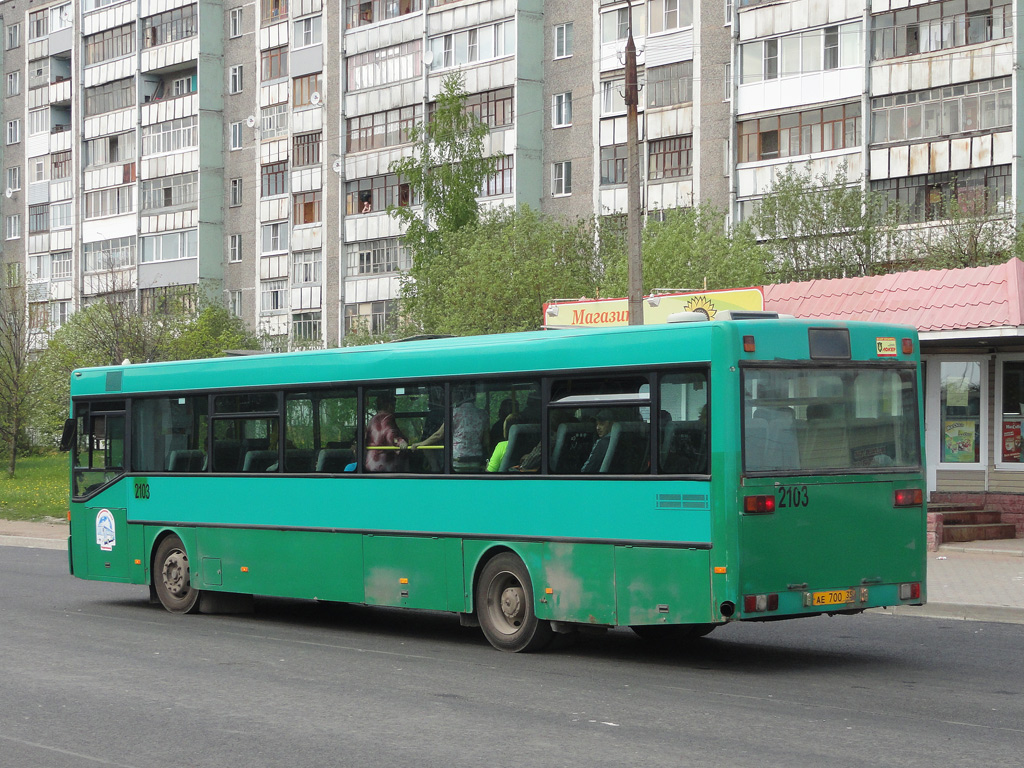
x=683, y=423
x=99, y=457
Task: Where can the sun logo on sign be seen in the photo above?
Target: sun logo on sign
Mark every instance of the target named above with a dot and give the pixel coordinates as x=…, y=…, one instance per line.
x=703, y=305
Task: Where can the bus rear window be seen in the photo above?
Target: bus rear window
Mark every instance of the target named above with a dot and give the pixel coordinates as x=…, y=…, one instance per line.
x=835, y=420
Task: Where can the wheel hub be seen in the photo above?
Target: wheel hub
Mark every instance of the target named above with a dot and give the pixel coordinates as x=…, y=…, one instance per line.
x=512, y=604
x=175, y=574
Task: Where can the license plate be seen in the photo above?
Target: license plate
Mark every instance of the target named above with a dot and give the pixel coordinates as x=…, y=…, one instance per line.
x=832, y=597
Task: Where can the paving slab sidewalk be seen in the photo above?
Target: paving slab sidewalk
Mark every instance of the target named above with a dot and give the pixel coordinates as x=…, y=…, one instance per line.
x=974, y=581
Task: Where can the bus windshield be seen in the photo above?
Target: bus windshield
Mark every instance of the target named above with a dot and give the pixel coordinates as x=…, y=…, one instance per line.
x=802, y=420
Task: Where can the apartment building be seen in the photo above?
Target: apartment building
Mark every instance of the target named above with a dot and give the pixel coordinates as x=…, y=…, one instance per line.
x=174, y=149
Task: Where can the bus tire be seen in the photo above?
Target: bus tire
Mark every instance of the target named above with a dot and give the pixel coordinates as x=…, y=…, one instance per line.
x=504, y=606
x=671, y=633
x=172, y=578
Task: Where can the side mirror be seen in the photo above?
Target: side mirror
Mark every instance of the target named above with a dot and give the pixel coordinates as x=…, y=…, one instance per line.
x=67, y=438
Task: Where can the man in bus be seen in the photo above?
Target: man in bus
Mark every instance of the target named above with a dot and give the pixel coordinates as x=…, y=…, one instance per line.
x=603, y=427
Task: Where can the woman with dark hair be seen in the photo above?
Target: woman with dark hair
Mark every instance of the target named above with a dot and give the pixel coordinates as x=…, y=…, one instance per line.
x=385, y=443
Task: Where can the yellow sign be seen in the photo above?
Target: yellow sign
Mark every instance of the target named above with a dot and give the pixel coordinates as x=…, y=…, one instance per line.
x=605, y=313
x=886, y=346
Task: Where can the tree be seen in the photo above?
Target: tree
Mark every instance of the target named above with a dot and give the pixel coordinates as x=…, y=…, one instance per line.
x=825, y=227
x=445, y=174
x=495, y=277
x=690, y=248
x=967, y=234
x=18, y=379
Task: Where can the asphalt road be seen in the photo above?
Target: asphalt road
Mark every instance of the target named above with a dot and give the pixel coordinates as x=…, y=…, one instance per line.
x=92, y=675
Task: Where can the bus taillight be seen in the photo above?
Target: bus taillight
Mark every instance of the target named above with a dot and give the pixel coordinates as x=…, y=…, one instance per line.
x=911, y=591
x=759, y=505
x=760, y=603
x=907, y=497
x=908, y=346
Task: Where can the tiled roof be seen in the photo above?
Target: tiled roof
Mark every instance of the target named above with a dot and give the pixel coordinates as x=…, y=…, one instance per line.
x=930, y=300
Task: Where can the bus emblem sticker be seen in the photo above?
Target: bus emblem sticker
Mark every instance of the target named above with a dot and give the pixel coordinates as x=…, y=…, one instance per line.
x=886, y=346
x=105, y=530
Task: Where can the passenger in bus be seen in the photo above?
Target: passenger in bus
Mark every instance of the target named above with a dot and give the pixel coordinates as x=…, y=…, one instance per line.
x=603, y=426
x=499, y=431
x=501, y=445
x=383, y=432
x=469, y=432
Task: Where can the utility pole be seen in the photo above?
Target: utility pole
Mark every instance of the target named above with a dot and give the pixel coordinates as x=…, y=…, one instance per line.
x=633, y=263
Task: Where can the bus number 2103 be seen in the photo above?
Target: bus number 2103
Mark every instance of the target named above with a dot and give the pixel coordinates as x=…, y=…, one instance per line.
x=793, y=496
x=141, y=489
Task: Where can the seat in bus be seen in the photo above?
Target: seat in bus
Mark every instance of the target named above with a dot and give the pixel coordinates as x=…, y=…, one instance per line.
x=683, y=449
x=259, y=461
x=771, y=441
x=334, y=460
x=226, y=455
x=629, y=444
x=186, y=461
x=299, y=460
x=573, y=444
x=824, y=442
x=522, y=438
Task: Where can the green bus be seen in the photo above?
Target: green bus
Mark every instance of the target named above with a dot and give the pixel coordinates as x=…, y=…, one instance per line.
x=667, y=478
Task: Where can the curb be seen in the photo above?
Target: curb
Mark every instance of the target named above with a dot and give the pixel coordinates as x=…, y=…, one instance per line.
x=981, y=550
x=33, y=543
x=993, y=613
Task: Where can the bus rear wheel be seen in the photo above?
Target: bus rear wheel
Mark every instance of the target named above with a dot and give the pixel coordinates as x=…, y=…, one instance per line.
x=172, y=579
x=504, y=605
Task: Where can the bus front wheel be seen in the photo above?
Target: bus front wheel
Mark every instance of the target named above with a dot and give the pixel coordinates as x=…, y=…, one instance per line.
x=504, y=604
x=172, y=579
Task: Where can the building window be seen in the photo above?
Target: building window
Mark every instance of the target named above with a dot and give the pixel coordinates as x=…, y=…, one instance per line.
x=274, y=63
x=374, y=317
x=308, y=31
x=61, y=216
x=39, y=121
x=38, y=218
x=800, y=133
x=500, y=182
x=236, y=136
x=39, y=24
x=168, y=299
x=235, y=22
x=170, y=246
x=613, y=100
x=561, y=109
x=306, y=209
x=274, y=237
x=170, y=136
x=108, y=254
x=670, y=158
x=376, y=194
x=670, y=84
x=831, y=48
x=13, y=131
x=613, y=164
x=14, y=178
x=235, y=303
x=38, y=167
x=615, y=24
x=274, y=179
x=306, y=149
x=815, y=50
x=374, y=257
x=118, y=148
x=307, y=90
x=60, y=165
x=169, y=26
x=561, y=178
x=273, y=295
x=12, y=38
x=306, y=327
x=920, y=29
x=109, y=97
x=170, y=191
x=12, y=227
x=14, y=83
x=110, y=44
x=306, y=267
x=235, y=79
x=563, y=40
x=384, y=65
x=668, y=15
x=235, y=248
x=274, y=121
x=979, y=105
x=492, y=108
x=60, y=265
x=273, y=11
x=456, y=49
x=109, y=202
x=381, y=129
x=236, y=192
x=983, y=191
x=359, y=12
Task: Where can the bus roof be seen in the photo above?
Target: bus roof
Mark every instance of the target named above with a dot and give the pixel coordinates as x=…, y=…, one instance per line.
x=533, y=351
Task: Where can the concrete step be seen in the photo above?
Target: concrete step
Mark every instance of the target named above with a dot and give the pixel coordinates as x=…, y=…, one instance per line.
x=971, y=517
x=954, y=506
x=980, y=532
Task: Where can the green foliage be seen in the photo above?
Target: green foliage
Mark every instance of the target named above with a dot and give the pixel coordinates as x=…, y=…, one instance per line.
x=39, y=490
x=969, y=235
x=688, y=247
x=445, y=171
x=213, y=331
x=825, y=227
x=18, y=379
x=496, y=276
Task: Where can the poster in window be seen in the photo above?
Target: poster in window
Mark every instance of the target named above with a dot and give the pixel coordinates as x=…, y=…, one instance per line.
x=1011, y=441
x=959, y=441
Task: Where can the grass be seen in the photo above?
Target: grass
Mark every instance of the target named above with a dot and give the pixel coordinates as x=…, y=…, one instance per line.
x=39, y=488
